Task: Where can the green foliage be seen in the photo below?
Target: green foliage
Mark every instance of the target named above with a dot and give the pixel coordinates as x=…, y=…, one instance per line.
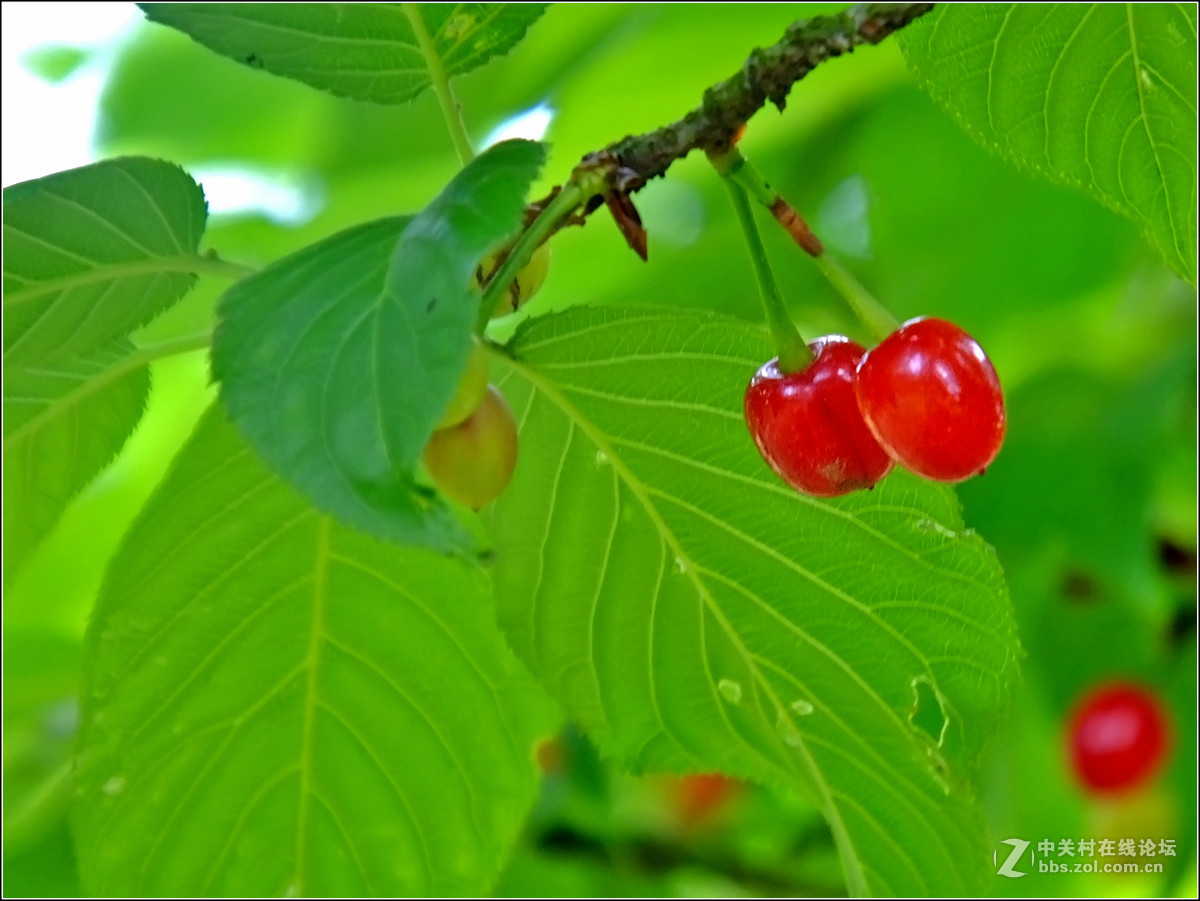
x=368, y=51
x=277, y=704
x=695, y=615
x=90, y=255
x=1101, y=96
x=287, y=689
x=93, y=253
x=338, y=361
x=64, y=420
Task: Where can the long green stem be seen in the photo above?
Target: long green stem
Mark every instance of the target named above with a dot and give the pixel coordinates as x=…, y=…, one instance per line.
x=794, y=354
x=743, y=172
x=451, y=111
x=874, y=315
x=202, y=264
x=211, y=264
x=564, y=201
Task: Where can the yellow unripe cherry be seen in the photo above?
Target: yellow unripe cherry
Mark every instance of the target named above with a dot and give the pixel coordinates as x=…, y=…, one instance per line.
x=473, y=461
x=528, y=280
x=471, y=388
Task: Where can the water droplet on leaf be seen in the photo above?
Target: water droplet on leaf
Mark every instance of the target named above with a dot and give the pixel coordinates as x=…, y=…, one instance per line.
x=731, y=691
x=789, y=733
x=926, y=524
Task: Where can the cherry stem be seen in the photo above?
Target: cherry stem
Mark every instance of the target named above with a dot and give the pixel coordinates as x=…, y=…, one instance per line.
x=874, y=316
x=793, y=352
x=568, y=197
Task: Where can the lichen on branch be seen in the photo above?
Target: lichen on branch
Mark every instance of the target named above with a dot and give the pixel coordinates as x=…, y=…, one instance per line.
x=767, y=75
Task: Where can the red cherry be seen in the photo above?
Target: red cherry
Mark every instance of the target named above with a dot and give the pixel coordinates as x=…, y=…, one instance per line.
x=932, y=399
x=701, y=797
x=1119, y=737
x=807, y=424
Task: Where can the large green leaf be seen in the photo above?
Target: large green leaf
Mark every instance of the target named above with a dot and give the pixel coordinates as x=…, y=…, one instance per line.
x=695, y=614
x=275, y=704
x=368, y=51
x=1102, y=96
x=93, y=253
x=64, y=420
x=337, y=362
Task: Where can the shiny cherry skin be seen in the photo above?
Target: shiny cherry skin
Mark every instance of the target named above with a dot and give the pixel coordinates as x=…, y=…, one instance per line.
x=807, y=424
x=1119, y=738
x=932, y=399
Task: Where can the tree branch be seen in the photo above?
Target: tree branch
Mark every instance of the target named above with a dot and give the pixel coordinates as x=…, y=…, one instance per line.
x=768, y=74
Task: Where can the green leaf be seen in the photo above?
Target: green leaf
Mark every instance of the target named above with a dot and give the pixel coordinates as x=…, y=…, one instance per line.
x=1100, y=96
x=694, y=614
x=64, y=420
x=337, y=362
x=367, y=51
x=430, y=303
x=275, y=704
x=92, y=253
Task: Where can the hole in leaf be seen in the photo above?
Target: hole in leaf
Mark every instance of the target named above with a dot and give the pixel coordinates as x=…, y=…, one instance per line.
x=928, y=714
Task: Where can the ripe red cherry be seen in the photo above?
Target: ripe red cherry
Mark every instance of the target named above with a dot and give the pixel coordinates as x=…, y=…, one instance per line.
x=701, y=797
x=932, y=399
x=807, y=424
x=1119, y=737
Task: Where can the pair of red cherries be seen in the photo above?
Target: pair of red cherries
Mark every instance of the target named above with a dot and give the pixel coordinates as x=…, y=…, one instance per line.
x=926, y=397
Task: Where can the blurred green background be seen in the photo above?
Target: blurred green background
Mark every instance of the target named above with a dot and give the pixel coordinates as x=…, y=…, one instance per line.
x=1091, y=506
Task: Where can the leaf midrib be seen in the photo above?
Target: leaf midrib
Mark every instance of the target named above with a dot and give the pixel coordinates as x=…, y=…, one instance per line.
x=102, y=272
x=1141, y=95
x=856, y=881
x=142, y=357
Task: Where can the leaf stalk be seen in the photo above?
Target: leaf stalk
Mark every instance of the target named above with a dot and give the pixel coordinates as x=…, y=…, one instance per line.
x=793, y=352
x=567, y=199
x=451, y=111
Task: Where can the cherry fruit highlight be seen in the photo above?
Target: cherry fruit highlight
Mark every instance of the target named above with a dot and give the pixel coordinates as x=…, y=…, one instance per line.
x=1118, y=738
x=807, y=424
x=933, y=401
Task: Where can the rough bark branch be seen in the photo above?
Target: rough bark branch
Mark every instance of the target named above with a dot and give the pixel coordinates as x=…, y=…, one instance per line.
x=767, y=75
